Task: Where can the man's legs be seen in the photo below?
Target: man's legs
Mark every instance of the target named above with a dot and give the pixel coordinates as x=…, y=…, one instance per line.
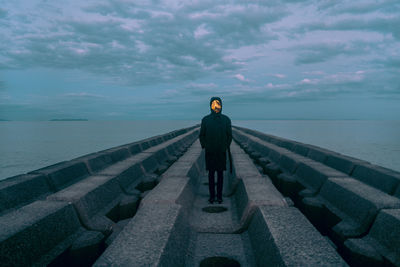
x=211, y=184
x=220, y=182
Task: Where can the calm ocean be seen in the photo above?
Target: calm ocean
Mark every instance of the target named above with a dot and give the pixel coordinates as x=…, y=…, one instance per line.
x=26, y=146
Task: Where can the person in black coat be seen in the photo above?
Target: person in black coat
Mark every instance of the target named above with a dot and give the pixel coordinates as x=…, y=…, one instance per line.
x=215, y=137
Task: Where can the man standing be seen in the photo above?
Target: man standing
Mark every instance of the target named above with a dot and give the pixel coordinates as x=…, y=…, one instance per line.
x=216, y=137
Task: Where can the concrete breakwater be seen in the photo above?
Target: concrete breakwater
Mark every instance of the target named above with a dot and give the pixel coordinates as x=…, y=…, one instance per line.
x=145, y=204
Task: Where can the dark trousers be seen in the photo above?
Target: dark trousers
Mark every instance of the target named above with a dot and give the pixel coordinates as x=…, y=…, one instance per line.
x=211, y=183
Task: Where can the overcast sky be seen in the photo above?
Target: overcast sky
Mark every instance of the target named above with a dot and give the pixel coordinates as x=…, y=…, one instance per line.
x=106, y=60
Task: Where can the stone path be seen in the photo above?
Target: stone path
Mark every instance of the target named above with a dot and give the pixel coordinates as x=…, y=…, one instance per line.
x=212, y=232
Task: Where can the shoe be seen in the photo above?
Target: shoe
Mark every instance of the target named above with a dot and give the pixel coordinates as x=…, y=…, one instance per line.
x=219, y=200
x=211, y=200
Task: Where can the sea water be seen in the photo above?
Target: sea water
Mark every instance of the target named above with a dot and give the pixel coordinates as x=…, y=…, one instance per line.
x=26, y=146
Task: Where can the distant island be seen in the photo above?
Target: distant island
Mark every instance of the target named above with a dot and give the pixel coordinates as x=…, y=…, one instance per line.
x=69, y=120
x=4, y=120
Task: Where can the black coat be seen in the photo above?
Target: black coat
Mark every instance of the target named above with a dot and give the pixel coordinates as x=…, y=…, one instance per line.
x=215, y=136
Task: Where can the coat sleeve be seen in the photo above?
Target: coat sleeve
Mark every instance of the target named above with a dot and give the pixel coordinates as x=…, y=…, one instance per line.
x=202, y=134
x=229, y=132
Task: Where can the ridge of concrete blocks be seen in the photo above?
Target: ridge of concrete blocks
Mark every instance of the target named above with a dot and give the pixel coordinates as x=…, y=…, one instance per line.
x=63, y=214
x=279, y=233
x=342, y=196
x=158, y=234
x=25, y=188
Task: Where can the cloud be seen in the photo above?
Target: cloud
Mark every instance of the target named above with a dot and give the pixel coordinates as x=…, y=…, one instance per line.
x=240, y=77
x=389, y=63
x=201, y=31
x=383, y=25
x=278, y=75
x=314, y=72
x=359, y=7
x=321, y=52
x=138, y=43
x=82, y=95
x=2, y=85
x=180, y=53
x=3, y=13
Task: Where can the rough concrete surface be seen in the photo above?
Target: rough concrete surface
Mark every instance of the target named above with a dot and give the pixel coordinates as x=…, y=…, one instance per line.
x=171, y=222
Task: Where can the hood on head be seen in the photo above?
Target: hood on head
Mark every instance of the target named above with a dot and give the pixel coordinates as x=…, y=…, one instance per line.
x=215, y=98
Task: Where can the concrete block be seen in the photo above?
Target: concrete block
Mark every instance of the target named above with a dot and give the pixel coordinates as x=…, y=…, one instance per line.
x=119, y=154
x=142, y=244
x=145, y=145
x=275, y=155
x=273, y=170
x=171, y=159
x=135, y=148
x=251, y=193
x=357, y=252
x=144, y=194
x=213, y=249
x=37, y=233
x=130, y=176
x=313, y=175
x=255, y=155
x=257, y=150
x=317, y=153
x=171, y=190
x=263, y=161
x=397, y=192
x=93, y=198
x=244, y=169
x=235, y=149
x=288, y=185
x=194, y=171
x=167, y=136
x=381, y=178
x=179, y=168
x=150, y=164
x=301, y=149
x=192, y=155
x=172, y=150
x=342, y=163
x=117, y=230
x=158, y=140
x=22, y=189
x=128, y=172
x=64, y=174
x=128, y=206
x=153, y=142
x=315, y=210
x=161, y=155
x=96, y=161
x=282, y=236
x=161, y=168
x=384, y=238
x=157, y=148
x=356, y=204
x=289, y=162
x=147, y=182
x=288, y=144
x=86, y=248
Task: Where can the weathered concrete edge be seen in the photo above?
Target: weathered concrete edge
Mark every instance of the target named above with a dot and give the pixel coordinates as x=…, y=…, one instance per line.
x=282, y=236
x=252, y=189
